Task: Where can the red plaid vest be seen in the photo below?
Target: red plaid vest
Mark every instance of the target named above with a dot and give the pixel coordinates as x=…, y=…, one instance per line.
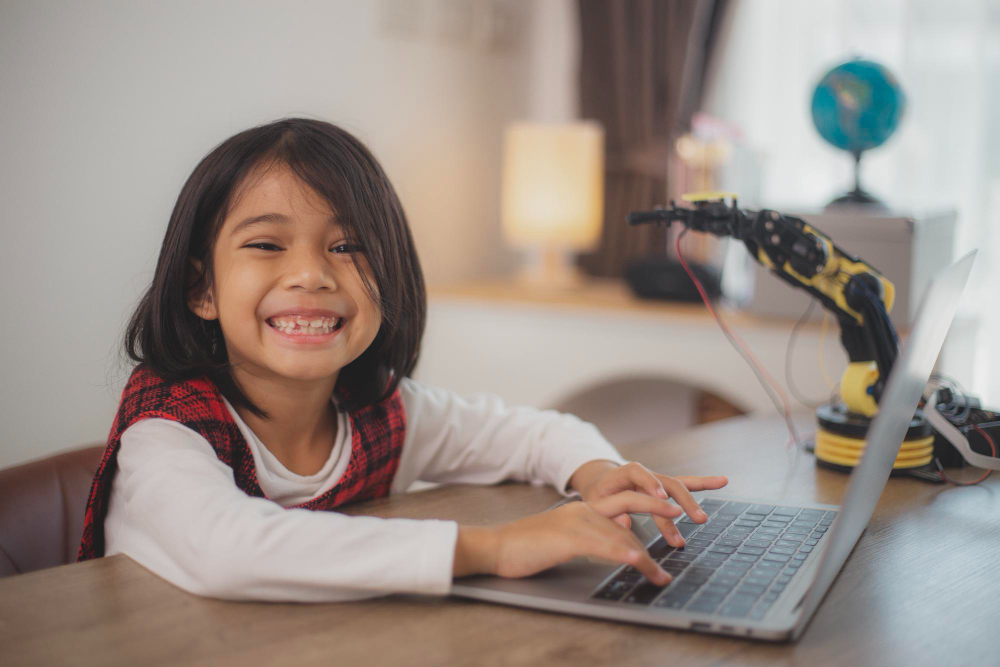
x=377, y=433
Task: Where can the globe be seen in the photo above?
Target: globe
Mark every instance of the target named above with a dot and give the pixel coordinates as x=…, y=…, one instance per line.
x=856, y=107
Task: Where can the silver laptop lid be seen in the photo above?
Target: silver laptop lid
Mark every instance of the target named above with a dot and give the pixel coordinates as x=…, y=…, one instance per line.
x=885, y=435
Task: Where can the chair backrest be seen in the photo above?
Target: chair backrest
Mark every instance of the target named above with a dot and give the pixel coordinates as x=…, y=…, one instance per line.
x=42, y=505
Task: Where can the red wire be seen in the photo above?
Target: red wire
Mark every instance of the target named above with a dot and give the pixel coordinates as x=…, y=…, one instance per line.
x=739, y=341
x=993, y=448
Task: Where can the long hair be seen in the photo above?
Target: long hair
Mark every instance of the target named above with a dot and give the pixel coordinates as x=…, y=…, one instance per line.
x=171, y=340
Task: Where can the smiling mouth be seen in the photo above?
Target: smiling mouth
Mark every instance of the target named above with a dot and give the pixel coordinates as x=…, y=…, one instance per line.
x=303, y=326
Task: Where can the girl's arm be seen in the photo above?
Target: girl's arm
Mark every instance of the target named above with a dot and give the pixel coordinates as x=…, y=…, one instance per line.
x=176, y=510
x=480, y=440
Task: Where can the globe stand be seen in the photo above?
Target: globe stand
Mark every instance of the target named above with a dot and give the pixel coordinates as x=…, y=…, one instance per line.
x=857, y=196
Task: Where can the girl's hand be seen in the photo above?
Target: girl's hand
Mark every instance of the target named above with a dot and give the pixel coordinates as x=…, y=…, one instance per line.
x=606, y=479
x=538, y=542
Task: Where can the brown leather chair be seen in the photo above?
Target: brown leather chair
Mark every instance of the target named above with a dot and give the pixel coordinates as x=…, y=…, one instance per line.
x=42, y=505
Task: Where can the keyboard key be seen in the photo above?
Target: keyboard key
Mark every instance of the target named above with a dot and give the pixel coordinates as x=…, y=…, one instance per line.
x=729, y=542
x=830, y=515
x=743, y=558
x=696, y=570
x=726, y=579
x=813, y=513
x=684, y=587
x=825, y=522
x=691, y=550
x=757, y=613
x=735, y=508
x=674, y=566
x=785, y=511
x=817, y=536
x=613, y=591
x=804, y=532
x=712, y=556
x=721, y=549
x=783, y=579
x=769, y=565
x=820, y=529
x=643, y=593
x=805, y=550
x=773, y=524
x=778, y=518
x=735, y=610
x=677, y=555
x=794, y=563
x=760, y=544
x=704, y=607
x=747, y=524
x=659, y=549
x=803, y=524
x=671, y=603
x=719, y=589
x=694, y=542
x=749, y=516
x=777, y=558
x=687, y=529
x=771, y=596
x=755, y=580
x=811, y=542
x=761, y=509
x=767, y=530
x=789, y=571
x=709, y=563
x=749, y=589
x=738, y=564
x=800, y=556
x=741, y=530
x=777, y=588
x=706, y=532
x=787, y=551
x=756, y=551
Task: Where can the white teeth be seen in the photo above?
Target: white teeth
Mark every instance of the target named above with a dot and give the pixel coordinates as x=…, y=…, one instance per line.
x=306, y=327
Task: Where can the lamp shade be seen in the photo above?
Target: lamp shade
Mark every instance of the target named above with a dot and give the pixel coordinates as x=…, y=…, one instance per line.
x=553, y=184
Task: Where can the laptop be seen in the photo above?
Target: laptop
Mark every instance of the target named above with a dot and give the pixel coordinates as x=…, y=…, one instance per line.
x=756, y=568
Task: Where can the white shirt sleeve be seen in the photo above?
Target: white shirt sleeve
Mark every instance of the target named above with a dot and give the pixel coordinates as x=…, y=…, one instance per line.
x=480, y=440
x=176, y=510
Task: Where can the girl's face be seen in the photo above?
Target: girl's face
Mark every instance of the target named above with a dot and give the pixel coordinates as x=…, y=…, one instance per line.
x=286, y=293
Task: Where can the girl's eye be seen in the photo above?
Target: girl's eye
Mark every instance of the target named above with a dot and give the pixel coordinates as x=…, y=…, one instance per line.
x=262, y=245
x=346, y=248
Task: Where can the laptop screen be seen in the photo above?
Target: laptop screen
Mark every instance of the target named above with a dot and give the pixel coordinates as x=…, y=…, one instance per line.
x=885, y=435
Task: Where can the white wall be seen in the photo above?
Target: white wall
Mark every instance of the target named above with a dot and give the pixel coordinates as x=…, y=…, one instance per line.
x=105, y=107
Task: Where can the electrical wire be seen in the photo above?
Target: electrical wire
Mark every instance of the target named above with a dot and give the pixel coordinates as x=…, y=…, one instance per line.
x=763, y=376
x=953, y=482
x=822, y=359
x=789, y=378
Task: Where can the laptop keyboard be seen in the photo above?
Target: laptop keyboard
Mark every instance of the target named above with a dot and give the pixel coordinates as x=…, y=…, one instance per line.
x=735, y=565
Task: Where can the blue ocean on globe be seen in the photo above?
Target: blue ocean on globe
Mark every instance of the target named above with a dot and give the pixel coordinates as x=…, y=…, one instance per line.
x=857, y=105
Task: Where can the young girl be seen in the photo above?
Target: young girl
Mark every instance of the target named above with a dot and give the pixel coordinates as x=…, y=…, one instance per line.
x=273, y=351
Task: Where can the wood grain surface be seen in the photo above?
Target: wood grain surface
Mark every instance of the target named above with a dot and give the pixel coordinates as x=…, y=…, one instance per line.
x=920, y=588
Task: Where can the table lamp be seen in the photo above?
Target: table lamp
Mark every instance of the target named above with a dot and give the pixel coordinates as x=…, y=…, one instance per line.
x=553, y=197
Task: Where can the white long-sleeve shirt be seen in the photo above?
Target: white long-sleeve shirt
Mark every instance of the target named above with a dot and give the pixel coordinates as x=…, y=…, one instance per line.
x=176, y=510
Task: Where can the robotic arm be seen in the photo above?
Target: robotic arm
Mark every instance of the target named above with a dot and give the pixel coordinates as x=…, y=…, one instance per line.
x=858, y=295
x=861, y=298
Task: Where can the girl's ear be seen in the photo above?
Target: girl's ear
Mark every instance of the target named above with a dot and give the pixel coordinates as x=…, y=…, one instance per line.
x=200, y=301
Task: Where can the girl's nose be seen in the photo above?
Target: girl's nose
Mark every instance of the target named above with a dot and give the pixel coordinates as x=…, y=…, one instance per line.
x=309, y=271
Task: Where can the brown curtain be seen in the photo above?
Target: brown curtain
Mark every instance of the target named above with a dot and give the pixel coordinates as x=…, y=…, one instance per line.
x=642, y=70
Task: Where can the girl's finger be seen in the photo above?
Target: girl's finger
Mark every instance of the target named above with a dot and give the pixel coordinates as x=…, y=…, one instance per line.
x=642, y=478
x=622, y=546
x=683, y=497
x=669, y=531
x=625, y=520
x=703, y=483
x=635, y=503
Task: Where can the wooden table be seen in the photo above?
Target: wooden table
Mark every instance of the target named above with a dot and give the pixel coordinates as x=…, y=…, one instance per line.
x=920, y=589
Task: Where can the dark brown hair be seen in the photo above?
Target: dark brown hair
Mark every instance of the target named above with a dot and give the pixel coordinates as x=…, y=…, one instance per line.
x=170, y=339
